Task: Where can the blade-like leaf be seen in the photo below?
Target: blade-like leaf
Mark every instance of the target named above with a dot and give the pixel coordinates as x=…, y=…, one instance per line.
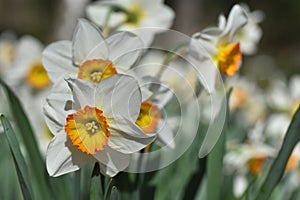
x=215, y=162
x=277, y=170
x=114, y=193
x=37, y=165
x=19, y=161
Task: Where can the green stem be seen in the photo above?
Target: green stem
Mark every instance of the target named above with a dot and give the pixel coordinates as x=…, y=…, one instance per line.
x=77, y=185
x=170, y=57
x=106, y=28
x=108, y=189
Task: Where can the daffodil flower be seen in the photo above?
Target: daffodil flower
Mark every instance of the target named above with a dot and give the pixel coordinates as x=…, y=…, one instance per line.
x=132, y=15
x=27, y=69
x=94, y=123
x=90, y=56
x=213, y=49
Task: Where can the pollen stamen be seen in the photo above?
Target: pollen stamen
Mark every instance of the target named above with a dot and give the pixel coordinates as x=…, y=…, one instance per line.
x=91, y=126
x=96, y=77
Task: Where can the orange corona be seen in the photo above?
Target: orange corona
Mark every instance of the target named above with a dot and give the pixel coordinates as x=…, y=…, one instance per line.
x=88, y=129
x=228, y=58
x=148, y=117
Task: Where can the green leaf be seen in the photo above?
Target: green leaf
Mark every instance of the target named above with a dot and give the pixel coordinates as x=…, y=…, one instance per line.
x=18, y=158
x=277, y=170
x=37, y=165
x=96, y=191
x=215, y=162
x=114, y=193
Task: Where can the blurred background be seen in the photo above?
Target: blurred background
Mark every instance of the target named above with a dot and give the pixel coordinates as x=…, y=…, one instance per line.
x=50, y=20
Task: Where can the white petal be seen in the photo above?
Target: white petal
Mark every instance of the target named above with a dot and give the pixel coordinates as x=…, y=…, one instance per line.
x=127, y=137
x=119, y=95
x=160, y=17
x=207, y=71
x=83, y=92
x=165, y=134
x=125, y=48
x=111, y=161
x=237, y=19
x=97, y=12
x=203, y=46
x=161, y=92
x=88, y=43
x=222, y=22
x=57, y=107
x=57, y=60
x=62, y=157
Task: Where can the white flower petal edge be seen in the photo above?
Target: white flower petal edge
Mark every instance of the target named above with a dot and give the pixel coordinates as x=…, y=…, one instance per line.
x=125, y=49
x=97, y=12
x=237, y=19
x=111, y=161
x=116, y=95
x=127, y=137
x=88, y=43
x=57, y=60
x=62, y=157
x=119, y=95
x=58, y=105
x=165, y=134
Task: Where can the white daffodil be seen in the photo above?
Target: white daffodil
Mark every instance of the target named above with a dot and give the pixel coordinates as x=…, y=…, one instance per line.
x=94, y=123
x=213, y=49
x=90, y=56
x=250, y=34
x=131, y=15
x=243, y=159
x=27, y=70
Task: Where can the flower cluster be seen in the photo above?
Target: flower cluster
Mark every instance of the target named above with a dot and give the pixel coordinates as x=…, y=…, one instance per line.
x=119, y=91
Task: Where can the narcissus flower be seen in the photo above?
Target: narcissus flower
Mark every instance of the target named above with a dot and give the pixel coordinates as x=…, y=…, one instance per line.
x=90, y=56
x=27, y=69
x=94, y=123
x=132, y=14
x=214, y=47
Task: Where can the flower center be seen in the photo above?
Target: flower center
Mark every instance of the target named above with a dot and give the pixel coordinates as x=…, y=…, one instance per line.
x=148, y=117
x=135, y=14
x=255, y=164
x=228, y=58
x=96, y=70
x=88, y=129
x=37, y=77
